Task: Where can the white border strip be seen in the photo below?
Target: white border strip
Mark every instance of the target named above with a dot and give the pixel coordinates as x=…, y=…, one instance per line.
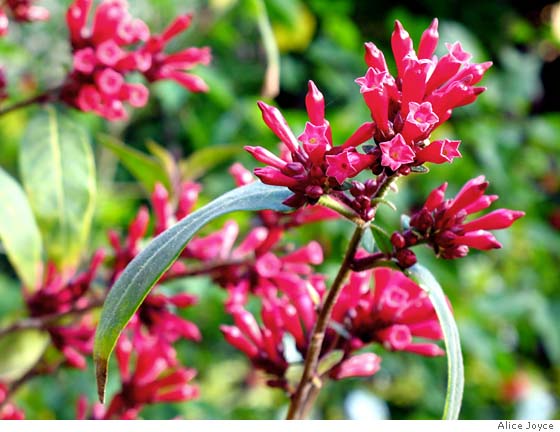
x=280, y=426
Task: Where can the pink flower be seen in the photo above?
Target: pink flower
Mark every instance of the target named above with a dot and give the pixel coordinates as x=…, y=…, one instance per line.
x=8, y=411
x=156, y=377
x=439, y=151
x=315, y=142
x=419, y=121
x=393, y=314
x=396, y=153
x=342, y=166
x=174, y=66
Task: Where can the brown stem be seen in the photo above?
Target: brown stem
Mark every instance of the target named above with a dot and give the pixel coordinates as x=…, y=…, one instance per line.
x=310, y=383
x=46, y=320
x=47, y=96
x=308, y=379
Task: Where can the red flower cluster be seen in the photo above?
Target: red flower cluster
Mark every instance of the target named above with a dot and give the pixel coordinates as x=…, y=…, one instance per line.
x=441, y=223
x=22, y=11
x=116, y=46
x=316, y=166
x=60, y=295
x=394, y=314
x=405, y=110
x=8, y=411
x=408, y=107
x=150, y=374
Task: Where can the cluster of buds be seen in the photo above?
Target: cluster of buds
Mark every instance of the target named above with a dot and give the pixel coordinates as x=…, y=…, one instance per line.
x=60, y=295
x=395, y=313
x=116, y=46
x=441, y=223
x=21, y=11
x=316, y=166
x=405, y=110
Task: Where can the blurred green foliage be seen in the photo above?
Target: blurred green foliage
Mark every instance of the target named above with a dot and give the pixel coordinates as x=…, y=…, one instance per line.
x=507, y=302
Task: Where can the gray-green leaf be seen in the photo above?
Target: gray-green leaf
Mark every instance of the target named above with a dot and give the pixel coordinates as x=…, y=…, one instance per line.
x=58, y=174
x=19, y=232
x=455, y=369
x=143, y=272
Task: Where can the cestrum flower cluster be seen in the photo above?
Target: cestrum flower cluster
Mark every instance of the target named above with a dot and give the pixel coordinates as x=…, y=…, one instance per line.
x=441, y=223
x=117, y=45
x=405, y=110
x=392, y=311
x=21, y=11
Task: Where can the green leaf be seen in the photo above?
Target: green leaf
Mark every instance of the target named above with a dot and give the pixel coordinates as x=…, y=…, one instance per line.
x=329, y=361
x=205, y=159
x=167, y=161
x=455, y=369
x=146, y=169
x=20, y=352
x=145, y=269
x=368, y=241
x=58, y=172
x=19, y=232
x=382, y=239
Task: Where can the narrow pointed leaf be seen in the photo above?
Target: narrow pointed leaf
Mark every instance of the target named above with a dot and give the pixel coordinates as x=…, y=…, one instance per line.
x=58, y=173
x=145, y=269
x=205, y=159
x=146, y=169
x=19, y=232
x=455, y=368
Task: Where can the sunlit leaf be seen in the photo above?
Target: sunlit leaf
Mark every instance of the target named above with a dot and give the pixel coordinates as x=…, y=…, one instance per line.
x=20, y=352
x=205, y=159
x=146, y=169
x=19, y=232
x=58, y=173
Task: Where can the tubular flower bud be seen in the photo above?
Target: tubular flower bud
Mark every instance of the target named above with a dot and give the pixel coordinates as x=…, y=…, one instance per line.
x=441, y=223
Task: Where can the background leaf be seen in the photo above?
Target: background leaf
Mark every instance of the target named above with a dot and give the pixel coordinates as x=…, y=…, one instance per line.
x=145, y=269
x=455, y=369
x=19, y=232
x=205, y=159
x=20, y=352
x=58, y=173
x=147, y=170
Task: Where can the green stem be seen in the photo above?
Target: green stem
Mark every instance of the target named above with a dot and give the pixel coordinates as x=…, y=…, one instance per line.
x=337, y=206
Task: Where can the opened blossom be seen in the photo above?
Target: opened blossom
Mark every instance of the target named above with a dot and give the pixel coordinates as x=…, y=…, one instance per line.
x=408, y=107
